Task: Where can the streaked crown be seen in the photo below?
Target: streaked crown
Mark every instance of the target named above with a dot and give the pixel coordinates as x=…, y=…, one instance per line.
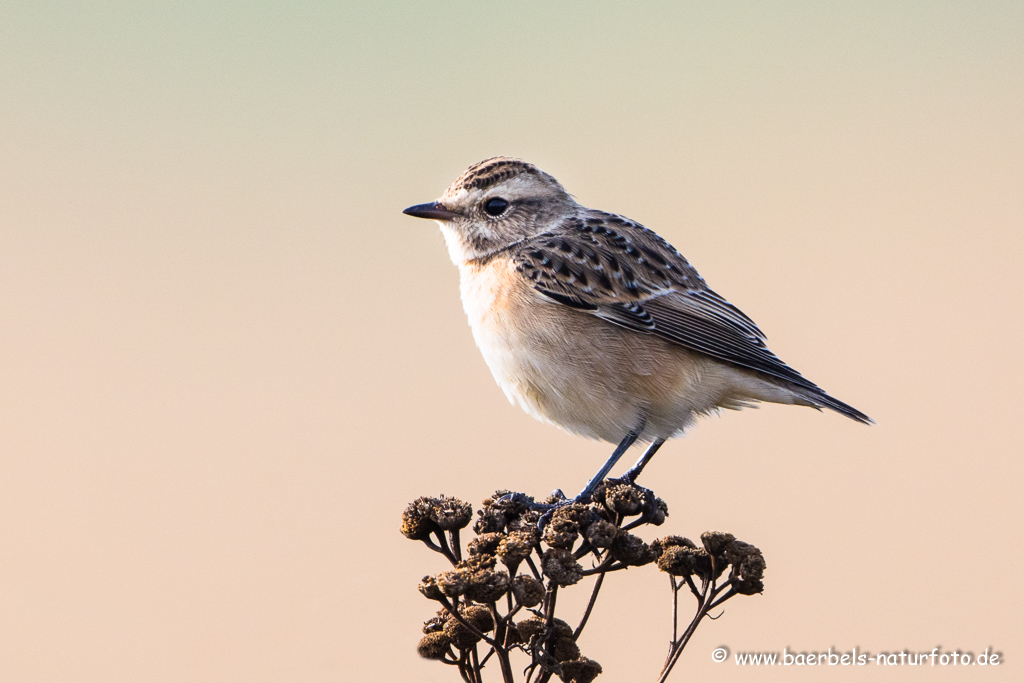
x=499, y=202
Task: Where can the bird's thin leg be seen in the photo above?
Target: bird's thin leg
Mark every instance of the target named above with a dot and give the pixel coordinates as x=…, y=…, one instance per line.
x=610, y=463
x=637, y=468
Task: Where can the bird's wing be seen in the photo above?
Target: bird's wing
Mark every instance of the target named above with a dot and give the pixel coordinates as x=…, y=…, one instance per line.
x=626, y=274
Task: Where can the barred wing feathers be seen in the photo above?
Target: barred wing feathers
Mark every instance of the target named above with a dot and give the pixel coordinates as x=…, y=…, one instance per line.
x=626, y=274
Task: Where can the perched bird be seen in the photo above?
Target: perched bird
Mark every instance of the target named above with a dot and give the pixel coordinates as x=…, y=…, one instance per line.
x=592, y=322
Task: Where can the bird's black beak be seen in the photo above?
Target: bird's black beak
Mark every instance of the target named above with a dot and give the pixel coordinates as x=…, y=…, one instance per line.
x=432, y=210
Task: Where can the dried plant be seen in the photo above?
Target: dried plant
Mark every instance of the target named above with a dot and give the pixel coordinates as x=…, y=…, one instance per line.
x=488, y=612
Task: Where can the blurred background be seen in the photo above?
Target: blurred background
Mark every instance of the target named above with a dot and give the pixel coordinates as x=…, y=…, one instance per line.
x=228, y=361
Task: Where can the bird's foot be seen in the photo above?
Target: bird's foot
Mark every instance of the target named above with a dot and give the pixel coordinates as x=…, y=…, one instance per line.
x=555, y=501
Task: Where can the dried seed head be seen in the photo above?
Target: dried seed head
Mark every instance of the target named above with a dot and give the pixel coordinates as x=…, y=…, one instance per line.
x=601, y=533
x=624, y=499
x=680, y=560
x=527, y=590
x=485, y=544
x=703, y=567
x=479, y=616
x=451, y=513
x=597, y=508
x=737, y=550
x=534, y=626
x=660, y=512
x=661, y=544
x=428, y=586
x=436, y=623
x=580, y=670
x=528, y=628
x=715, y=542
x=489, y=521
x=460, y=636
x=631, y=550
x=565, y=648
x=526, y=523
x=562, y=532
x=515, y=548
x=475, y=562
x=417, y=523
x=453, y=583
x=487, y=585
x=578, y=513
x=749, y=587
x=434, y=645
x=561, y=567
x=501, y=511
x=752, y=567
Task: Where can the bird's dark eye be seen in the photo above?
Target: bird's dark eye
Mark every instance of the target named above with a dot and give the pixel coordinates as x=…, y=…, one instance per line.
x=495, y=206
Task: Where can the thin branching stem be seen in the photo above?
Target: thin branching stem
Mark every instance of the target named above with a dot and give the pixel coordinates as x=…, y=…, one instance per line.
x=605, y=568
x=533, y=567
x=719, y=601
x=439, y=549
x=456, y=545
x=708, y=589
x=474, y=657
x=590, y=607
x=675, y=610
x=464, y=669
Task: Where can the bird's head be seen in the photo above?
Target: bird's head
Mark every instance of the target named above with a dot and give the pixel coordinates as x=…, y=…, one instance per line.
x=495, y=204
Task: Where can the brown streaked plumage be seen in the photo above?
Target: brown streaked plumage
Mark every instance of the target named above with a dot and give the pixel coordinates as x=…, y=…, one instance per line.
x=594, y=323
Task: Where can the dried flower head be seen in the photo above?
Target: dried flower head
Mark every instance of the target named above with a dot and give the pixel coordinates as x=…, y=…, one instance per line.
x=631, y=550
x=428, y=586
x=715, y=542
x=434, y=645
x=659, y=513
x=451, y=513
x=461, y=637
x=661, y=544
x=680, y=560
x=417, y=522
x=475, y=562
x=453, y=583
x=752, y=566
x=527, y=590
x=515, y=548
x=500, y=510
x=487, y=585
x=564, y=649
x=737, y=550
x=489, y=520
x=479, y=616
x=625, y=499
x=601, y=533
x=530, y=627
x=578, y=513
x=535, y=626
x=580, y=670
x=561, y=567
x=486, y=543
x=436, y=623
x=526, y=523
x=749, y=587
x=561, y=532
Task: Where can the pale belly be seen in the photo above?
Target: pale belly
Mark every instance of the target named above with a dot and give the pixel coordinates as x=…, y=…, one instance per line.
x=585, y=375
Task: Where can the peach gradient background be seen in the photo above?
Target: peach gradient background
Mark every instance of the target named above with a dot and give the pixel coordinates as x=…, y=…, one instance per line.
x=227, y=361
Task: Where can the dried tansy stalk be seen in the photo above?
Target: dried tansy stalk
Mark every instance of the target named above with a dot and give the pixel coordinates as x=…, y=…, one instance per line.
x=498, y=600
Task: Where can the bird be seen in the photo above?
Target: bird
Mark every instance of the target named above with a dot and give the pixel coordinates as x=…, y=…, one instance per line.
x=591, y=322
